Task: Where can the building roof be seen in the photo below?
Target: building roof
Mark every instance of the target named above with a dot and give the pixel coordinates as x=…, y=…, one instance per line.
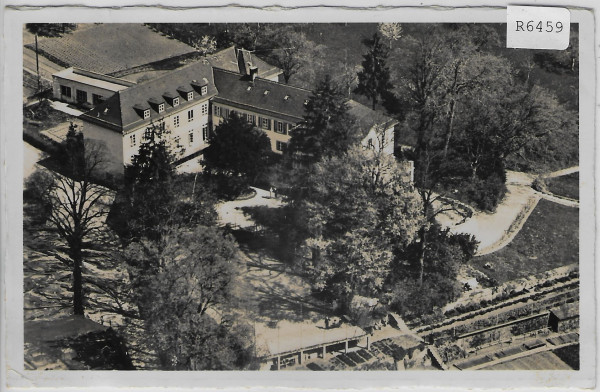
x=235, y=60
x=261, y=94
x=367, y=118
x=290, y=337
x=121, y=112
x=93, y=79
x=278, y=98
x=566, y=311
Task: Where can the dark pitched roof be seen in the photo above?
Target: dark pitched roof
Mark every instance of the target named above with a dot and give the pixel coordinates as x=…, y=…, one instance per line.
x=367, y=118
x=262, y=94
x=234, y=60
x=283, y=99
x=119, y=111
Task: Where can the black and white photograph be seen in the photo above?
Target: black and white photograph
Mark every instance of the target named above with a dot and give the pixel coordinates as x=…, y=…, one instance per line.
x=307, y=196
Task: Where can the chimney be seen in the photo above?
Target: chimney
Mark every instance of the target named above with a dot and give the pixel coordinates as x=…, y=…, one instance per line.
x=253, y=72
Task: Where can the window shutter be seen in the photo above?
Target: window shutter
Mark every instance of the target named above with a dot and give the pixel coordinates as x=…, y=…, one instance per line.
x=260, y=122
x=269, y=123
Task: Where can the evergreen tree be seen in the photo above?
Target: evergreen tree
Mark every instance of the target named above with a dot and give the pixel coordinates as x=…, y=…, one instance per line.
x=328, y=128
x=238, y=154
x=374, y=79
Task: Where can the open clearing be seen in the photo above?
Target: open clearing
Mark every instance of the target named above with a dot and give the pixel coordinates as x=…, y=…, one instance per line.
x=549, y=239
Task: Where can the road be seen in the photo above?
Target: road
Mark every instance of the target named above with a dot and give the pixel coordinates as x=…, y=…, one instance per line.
x=47, y=67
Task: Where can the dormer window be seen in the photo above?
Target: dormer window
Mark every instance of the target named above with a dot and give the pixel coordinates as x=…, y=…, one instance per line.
x=176, y=101
x=204, y=90
x=190, y=95
x=146, y=114
x=266, y=92
x=161, y=107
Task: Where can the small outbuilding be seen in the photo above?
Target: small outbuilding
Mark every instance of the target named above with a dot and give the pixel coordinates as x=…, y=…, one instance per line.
x=564, y=318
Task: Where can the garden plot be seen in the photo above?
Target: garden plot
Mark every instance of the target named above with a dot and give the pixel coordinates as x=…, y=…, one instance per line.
x=123, y=46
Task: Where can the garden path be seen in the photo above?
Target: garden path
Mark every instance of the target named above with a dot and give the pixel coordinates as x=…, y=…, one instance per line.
x=490, y=228
x=230, y=212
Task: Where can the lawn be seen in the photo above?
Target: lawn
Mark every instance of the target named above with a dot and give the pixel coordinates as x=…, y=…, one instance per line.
x=549, y=239
x=108, y=48
x=570, y=355
x=567, y=186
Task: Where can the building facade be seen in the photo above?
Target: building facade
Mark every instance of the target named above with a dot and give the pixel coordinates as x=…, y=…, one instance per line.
x=194, y=100
x=85, y=88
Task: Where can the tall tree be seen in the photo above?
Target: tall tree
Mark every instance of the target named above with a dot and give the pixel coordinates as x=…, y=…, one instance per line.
x=358, y=210
x=328, y=129
x=154, y=198
x=46, y=30
x=183, y=293
x=374, y=79
x=292, y=52
x=73, y=203
x=238, y=154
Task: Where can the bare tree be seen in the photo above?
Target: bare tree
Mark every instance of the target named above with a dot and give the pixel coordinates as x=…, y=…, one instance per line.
x=74, y=203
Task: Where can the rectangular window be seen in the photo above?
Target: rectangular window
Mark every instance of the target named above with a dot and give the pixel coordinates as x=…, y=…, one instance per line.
x=226, y=114
x=205, y=132
x=132, y=140
x=280, y=127
x=146, y=113
x=190, y=95
x=96, y=99
x=204, y=108
x=266, y=123
x=176, y=101
x=65, y=91
x=81, y=96
x=191, y=137
x=280, y=146
x=177, y=140
x=218, y=111
x=176, y=121
x=204, y=90
x=148, y=134
x=251, y=118
x=161, y=107
x=190, y=115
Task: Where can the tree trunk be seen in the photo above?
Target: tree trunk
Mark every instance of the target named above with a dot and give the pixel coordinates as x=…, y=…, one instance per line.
x=449, y=127
x=423, y=235
x=78, y=308
x=37, y=65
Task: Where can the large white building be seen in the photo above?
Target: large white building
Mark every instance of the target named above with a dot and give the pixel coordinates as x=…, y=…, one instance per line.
x=191, y=101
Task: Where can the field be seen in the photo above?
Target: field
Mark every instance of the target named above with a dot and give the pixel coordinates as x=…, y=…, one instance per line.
x=567, y=186
x=542, y=361
x=549, y=239
x=121, y=47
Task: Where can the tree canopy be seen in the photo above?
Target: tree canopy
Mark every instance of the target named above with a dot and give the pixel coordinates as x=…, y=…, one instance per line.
x=238, y=154
x=374, y=78
x=328, y=128
x=358, y=209
x=154, y=198
x=183, y=291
